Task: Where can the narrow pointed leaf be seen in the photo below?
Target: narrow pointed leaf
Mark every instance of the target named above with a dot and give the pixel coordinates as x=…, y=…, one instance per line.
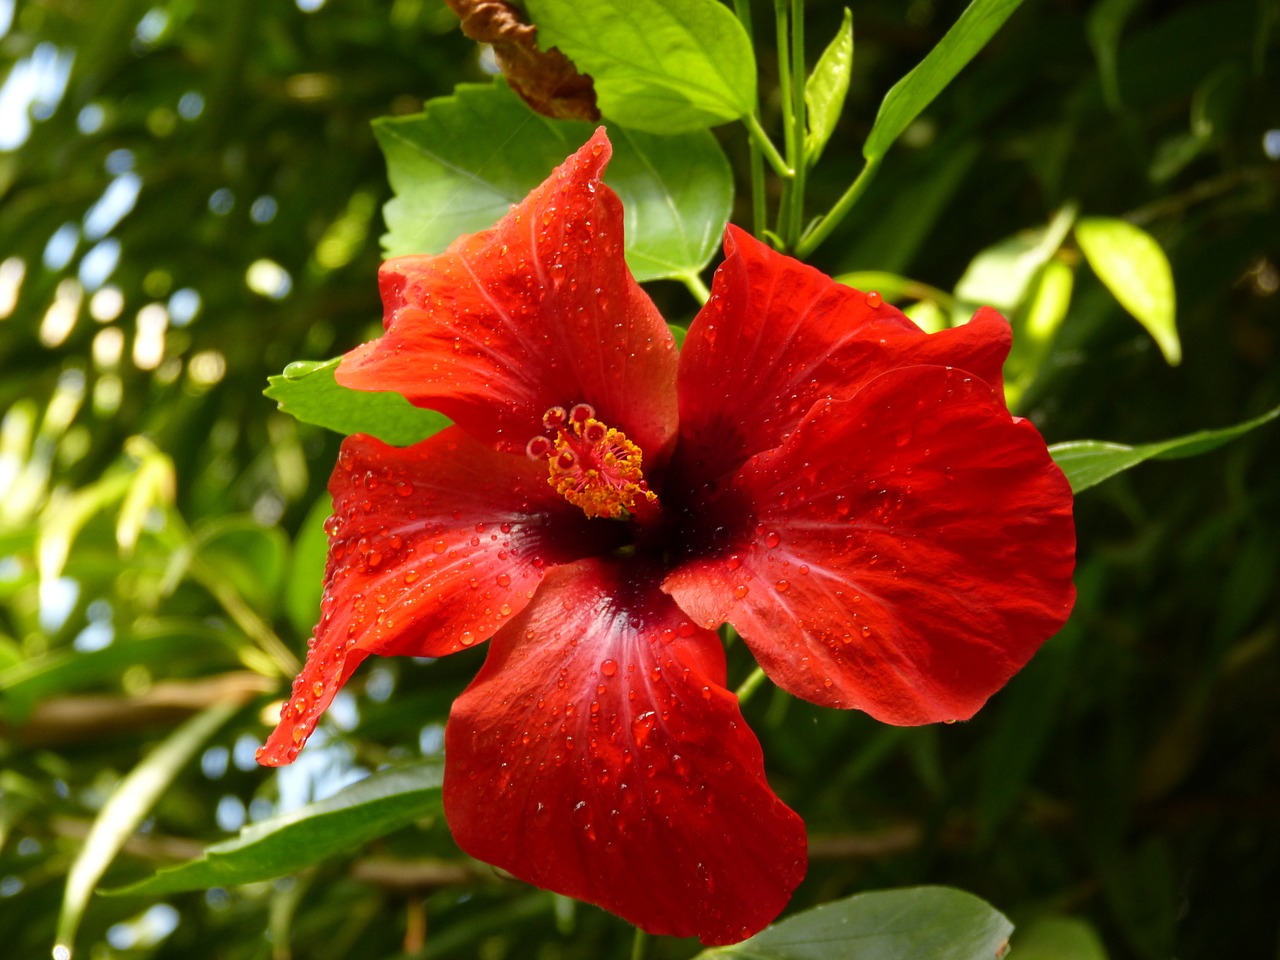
x=308, y=391
x=458, y=166
x=128, y=807
x=935, y=922
x=910, y=95
x=665, y=66
x=825, y=90
x=1088, y=462
x=376, y=806
x=1137, y=272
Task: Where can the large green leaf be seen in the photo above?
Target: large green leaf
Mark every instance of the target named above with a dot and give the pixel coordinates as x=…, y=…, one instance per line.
x=308, y=391
x=1088, y=462
x=666, y=66
x=825, y=90
x=459, y=165
x=376, y=806
x=910, y=95
x=935, y=922
x=1136, y=271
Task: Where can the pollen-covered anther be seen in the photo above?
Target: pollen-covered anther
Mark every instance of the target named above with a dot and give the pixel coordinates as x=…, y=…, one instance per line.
x=592, y=465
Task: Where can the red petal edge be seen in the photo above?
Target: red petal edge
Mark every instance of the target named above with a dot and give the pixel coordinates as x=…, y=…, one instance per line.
x=777, y=335
x=904, y=553
x=539, y=311
x=431, y=549
x=598, y=754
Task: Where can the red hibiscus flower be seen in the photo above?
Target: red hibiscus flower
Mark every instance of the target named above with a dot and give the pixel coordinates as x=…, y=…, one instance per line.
x=849, y=492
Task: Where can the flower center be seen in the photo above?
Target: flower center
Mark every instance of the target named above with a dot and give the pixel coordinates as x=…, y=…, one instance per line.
x=591, y=464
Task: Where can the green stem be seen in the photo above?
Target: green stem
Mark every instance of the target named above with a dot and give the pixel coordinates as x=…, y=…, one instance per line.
x=796, y=142
x=759, y=210
x=640, y=945
x=781, y=31
x=696, y=287
x=749, y=685
x=760, y=138
x=822, y=229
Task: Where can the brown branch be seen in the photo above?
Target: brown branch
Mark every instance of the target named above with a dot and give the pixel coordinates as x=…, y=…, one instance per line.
x=63, y=720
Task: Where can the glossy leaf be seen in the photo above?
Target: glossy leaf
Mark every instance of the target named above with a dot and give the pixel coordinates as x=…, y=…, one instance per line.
x=454, y=171
x=665, y=66
x=1088, y=462
x=308, y=391
x=1137, y=272
x=935, y=922
x=825, y=90
x=910, y=95
x=376, y=806
x=129, y=804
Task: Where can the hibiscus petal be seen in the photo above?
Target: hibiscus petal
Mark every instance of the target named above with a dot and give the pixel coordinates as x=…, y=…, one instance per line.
x=538, y=311
x=598, y=754
x=904, y=553
x=431, y=549
x=777, y=336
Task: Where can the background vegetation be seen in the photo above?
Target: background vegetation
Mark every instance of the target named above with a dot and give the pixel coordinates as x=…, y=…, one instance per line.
x=190, y=198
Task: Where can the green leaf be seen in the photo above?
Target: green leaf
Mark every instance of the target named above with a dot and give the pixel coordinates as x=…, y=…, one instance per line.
x=910, y=95
x=1088, y=462
x=665, y=66
x=1103, y=27
x=825, y=90
x=1130, y=262
x=128, y=805
x=308, y=391
x=459, y=165
x=1001, y=275
x=380, y=804
x=935, y=922
x=1058, y=938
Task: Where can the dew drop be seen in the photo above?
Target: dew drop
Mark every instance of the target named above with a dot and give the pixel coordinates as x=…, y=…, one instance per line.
x=783, y=585
x=873, y=300
x=299, y=732
x=410, y=576
x=404, y=489
x=740, y=591
x=504, y=580
x=772, y=540
x=317, y=688
x=609, y=668
x=734, y=562
x=467, y=638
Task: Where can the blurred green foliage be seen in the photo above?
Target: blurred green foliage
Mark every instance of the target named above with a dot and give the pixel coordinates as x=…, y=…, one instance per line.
x=192, y=201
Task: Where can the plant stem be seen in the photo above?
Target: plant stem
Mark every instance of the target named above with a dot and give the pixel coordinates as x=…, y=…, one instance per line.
x=781, y=31
x=759, y=211
x=749, y=685
x=796, y=141
x=696, y=287
x=640, y=945
x=759, y=137
x=822, y=229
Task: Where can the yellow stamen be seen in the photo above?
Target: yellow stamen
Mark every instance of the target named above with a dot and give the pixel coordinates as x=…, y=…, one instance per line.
x=595, y=467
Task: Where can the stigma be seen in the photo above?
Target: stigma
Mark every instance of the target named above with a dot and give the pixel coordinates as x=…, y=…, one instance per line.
x=592, y=465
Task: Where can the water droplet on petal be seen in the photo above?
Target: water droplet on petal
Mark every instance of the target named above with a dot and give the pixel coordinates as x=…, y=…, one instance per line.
x=467, y=638
x=873, y=300
x=783, y=585
x=609, y=667
x=740, y=591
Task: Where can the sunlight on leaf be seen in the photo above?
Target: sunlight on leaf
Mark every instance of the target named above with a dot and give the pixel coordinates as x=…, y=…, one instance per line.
x=825, y=90
x=1137, y=272
x=664, y=66
x=308, y=391
x=910, y=95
